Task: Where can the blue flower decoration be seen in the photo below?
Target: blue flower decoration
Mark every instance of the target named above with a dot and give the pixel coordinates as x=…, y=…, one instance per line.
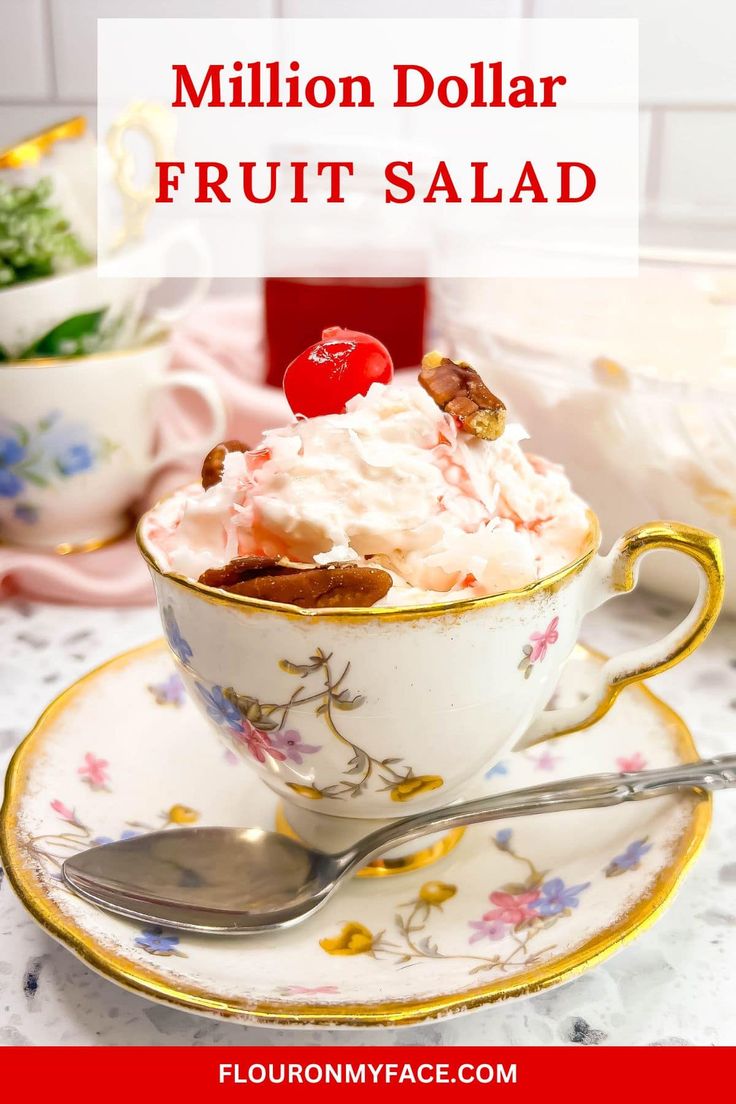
x=155, y=941
x=219, y=709
x=177, y=643
x=75, y=458
x=170, y=691
x=125, y=835
x=497, y=770
x=24, y=512
x=11, y=451
x=556, y=897
x=10, y=484
x=503, y=838
x=43, y=453
x=628, y=859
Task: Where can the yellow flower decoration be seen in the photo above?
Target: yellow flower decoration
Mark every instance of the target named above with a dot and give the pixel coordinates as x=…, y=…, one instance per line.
x=413, y=787
x=305, y=791
x=182, y=814
x=354, y=939
x=435, y=893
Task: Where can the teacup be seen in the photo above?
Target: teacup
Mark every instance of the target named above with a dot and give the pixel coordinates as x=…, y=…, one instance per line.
x=364, y=715
x=31, y=311
x=77, y=442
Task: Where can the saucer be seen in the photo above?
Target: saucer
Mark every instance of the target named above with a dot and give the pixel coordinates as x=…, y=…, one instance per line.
x=513, y=909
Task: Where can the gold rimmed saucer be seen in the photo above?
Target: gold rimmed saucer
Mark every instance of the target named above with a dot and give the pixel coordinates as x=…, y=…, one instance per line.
x=514, y=909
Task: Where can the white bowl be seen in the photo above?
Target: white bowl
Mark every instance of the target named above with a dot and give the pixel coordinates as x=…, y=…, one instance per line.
x=29, y=310
x=630, y=384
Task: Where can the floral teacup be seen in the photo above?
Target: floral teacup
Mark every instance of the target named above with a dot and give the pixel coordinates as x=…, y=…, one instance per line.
x=96, y=308
x=371, y=714
x=77, y=442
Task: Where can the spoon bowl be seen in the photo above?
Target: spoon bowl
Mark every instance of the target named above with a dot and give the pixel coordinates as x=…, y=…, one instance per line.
x=211, y=880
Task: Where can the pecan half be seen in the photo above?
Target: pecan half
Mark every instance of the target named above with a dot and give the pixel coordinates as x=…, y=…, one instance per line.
x=212, y=467
x=458, y=390
x=243, y=568
x=323, y=587
x=304, y=585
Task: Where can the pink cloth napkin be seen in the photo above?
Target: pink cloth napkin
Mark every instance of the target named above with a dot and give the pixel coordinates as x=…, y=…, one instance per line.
x=221, y=339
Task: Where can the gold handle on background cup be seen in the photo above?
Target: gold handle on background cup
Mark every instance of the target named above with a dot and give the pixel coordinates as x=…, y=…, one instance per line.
x=156, y=124
x=617, y=574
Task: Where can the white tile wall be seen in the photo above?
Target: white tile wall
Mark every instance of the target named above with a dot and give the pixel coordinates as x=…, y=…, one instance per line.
x=698, y=163
x=686, y=48
x=23, y=120
x=24, y=56
x=688, y=77
x=400, y=9
x=74, y=29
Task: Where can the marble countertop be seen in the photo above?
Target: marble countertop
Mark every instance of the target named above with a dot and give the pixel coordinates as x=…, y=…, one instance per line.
x=674, y=985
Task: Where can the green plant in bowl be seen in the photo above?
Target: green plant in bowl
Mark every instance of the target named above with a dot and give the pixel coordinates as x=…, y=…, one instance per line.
x=36, y=239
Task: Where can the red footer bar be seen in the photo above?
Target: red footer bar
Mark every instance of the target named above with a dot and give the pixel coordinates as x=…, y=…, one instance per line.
x=539, y=1075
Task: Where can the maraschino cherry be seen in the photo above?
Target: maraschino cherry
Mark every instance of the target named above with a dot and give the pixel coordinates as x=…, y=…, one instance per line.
x=345, y=363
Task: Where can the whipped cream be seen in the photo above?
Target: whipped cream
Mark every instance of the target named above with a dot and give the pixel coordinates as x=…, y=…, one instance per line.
x=392, y=482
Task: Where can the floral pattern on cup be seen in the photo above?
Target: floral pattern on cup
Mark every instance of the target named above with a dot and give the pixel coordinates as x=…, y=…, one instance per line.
x=179, y=646
x=37, y=457
x=536, y=650
x=521, y=914
x=258, y=730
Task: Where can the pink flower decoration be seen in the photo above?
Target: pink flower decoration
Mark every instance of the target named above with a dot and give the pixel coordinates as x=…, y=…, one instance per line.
x=635, y=762
x=546, y=761
x=293, y=746
x=542, y=641
x=512, y=908
x=64, y=811
x=487, y=929
x=259, y=745
x=94, y=772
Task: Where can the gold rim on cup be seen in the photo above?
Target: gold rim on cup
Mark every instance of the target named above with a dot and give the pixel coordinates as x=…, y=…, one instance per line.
x=29, y=151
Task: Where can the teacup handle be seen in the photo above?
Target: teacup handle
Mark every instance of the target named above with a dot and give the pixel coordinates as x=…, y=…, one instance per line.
x=199, y=284
x=208, y=392
x=616, y=574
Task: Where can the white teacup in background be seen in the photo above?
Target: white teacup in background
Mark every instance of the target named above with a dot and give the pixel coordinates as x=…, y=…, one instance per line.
x=355, y=716
x=109, y=309
x=77, y=440
x=54, y=299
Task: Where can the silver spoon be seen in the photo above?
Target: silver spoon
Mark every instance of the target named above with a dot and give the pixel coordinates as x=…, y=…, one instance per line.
x=231, y=881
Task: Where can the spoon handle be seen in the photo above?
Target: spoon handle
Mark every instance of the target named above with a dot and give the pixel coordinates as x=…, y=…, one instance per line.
x=587, y=792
